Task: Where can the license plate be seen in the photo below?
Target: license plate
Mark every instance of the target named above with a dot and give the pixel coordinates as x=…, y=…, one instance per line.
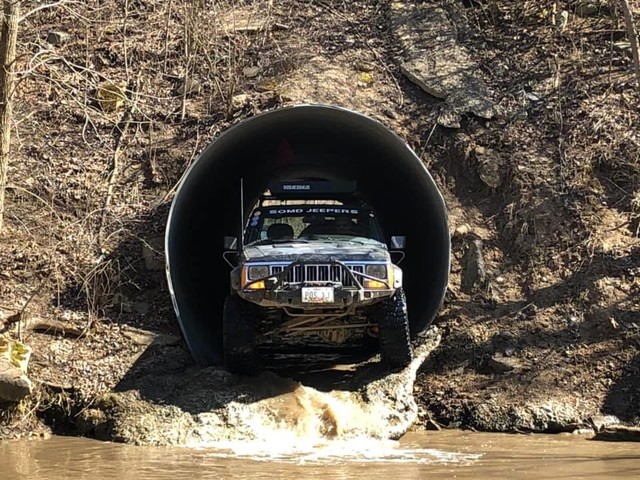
x=317, y=294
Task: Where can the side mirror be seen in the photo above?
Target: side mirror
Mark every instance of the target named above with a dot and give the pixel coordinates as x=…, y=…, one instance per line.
x=230, y=243
x=231, y=257
x=398, y=243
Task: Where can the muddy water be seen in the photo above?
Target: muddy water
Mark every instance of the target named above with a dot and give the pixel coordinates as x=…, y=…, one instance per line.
x=455, y=453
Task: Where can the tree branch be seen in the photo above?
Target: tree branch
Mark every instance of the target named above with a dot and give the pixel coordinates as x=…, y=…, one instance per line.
x=43, y=7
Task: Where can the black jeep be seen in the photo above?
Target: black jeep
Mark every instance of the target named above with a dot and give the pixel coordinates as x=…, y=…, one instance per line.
x=313, y=264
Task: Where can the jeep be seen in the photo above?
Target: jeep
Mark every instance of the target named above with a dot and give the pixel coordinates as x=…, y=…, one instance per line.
x=312, y=264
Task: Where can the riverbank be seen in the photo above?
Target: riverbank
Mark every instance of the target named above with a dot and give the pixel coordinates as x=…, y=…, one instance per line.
x=540, y=325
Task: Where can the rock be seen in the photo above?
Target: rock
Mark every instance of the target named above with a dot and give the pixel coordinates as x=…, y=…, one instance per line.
x=57, y=38
x=533, y=97
x=432, y=425
x=239, y=101
x=490, y=167
x=502, y=364
x=364, y=66
x=54, y=327
x=14, y=385
x=139, y=337
x=188, y=86
x=268, y=85
x=587, y=9
x=474, y=274
x=146, y=338
x=579, y=430
x=624, y=47
x=574, y=429
x=544, y=416
x=94, y=422
x=152, y=253
x=619, y=433
x=601, y=422
x=246, y=26
x=126, y=306
x=251, y=72
x=462, y=230
x=245, y=19
x=390, y=113
x=14, y=357
x=435, y=61
x=507, y=336
x=449, y=118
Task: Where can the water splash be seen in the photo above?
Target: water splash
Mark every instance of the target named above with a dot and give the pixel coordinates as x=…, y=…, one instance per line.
x=201, y=408
x=306, y=413
x=357, y=450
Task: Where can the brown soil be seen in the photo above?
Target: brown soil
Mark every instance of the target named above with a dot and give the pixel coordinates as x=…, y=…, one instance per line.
x=555, y=315
x=559, y=234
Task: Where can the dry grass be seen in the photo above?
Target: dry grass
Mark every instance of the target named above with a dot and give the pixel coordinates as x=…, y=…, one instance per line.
x=78, y=191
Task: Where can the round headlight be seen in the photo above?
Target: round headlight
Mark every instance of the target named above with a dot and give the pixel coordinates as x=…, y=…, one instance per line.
x=377, y=271
x=258, y=271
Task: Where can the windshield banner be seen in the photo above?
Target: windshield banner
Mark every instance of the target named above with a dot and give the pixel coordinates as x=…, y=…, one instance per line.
x=309, y=210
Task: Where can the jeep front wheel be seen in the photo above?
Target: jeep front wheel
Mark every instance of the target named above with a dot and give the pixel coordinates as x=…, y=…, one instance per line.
x=394, y=336
x=240, y=354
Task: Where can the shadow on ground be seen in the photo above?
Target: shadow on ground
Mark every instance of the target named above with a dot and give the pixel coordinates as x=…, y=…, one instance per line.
x=166, y=374
x=623, y=399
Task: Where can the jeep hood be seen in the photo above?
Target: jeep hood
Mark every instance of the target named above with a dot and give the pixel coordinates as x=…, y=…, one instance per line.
x=322, y=251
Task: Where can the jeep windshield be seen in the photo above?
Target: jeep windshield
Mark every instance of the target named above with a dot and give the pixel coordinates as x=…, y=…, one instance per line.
x=304, y=223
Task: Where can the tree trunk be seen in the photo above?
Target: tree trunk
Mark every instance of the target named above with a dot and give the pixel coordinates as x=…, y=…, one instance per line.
x=9, y=30
x=633, y=37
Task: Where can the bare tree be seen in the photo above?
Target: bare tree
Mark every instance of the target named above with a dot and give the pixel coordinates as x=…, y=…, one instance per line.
x=9, y=34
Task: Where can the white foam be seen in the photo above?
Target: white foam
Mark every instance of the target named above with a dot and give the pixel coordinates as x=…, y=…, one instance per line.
x=356, y=450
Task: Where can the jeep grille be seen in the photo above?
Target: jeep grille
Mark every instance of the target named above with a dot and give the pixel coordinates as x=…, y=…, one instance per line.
x=318, y=273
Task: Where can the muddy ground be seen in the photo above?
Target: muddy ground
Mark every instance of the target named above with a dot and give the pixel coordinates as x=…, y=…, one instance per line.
x=541, y=324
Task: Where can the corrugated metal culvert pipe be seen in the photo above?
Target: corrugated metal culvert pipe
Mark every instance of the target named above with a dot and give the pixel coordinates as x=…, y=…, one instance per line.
x=310, y=141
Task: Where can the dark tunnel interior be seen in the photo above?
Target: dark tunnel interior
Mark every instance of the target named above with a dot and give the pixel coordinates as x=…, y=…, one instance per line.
x=301, y=142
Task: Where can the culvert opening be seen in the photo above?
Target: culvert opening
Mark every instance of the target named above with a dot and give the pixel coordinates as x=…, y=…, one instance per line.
x=313, y=141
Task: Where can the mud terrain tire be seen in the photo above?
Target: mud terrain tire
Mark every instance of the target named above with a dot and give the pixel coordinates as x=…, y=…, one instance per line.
x=240, y=354
x=394, y=335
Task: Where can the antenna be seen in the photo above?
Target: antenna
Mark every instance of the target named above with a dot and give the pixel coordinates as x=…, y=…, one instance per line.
x=241, y=235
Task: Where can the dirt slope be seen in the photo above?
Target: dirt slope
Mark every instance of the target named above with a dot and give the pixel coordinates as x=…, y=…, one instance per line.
x=550, y=191
x=541, y=327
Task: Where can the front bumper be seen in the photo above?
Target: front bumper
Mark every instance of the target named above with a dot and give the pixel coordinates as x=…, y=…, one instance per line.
x=280, y=292
x=344, y=298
